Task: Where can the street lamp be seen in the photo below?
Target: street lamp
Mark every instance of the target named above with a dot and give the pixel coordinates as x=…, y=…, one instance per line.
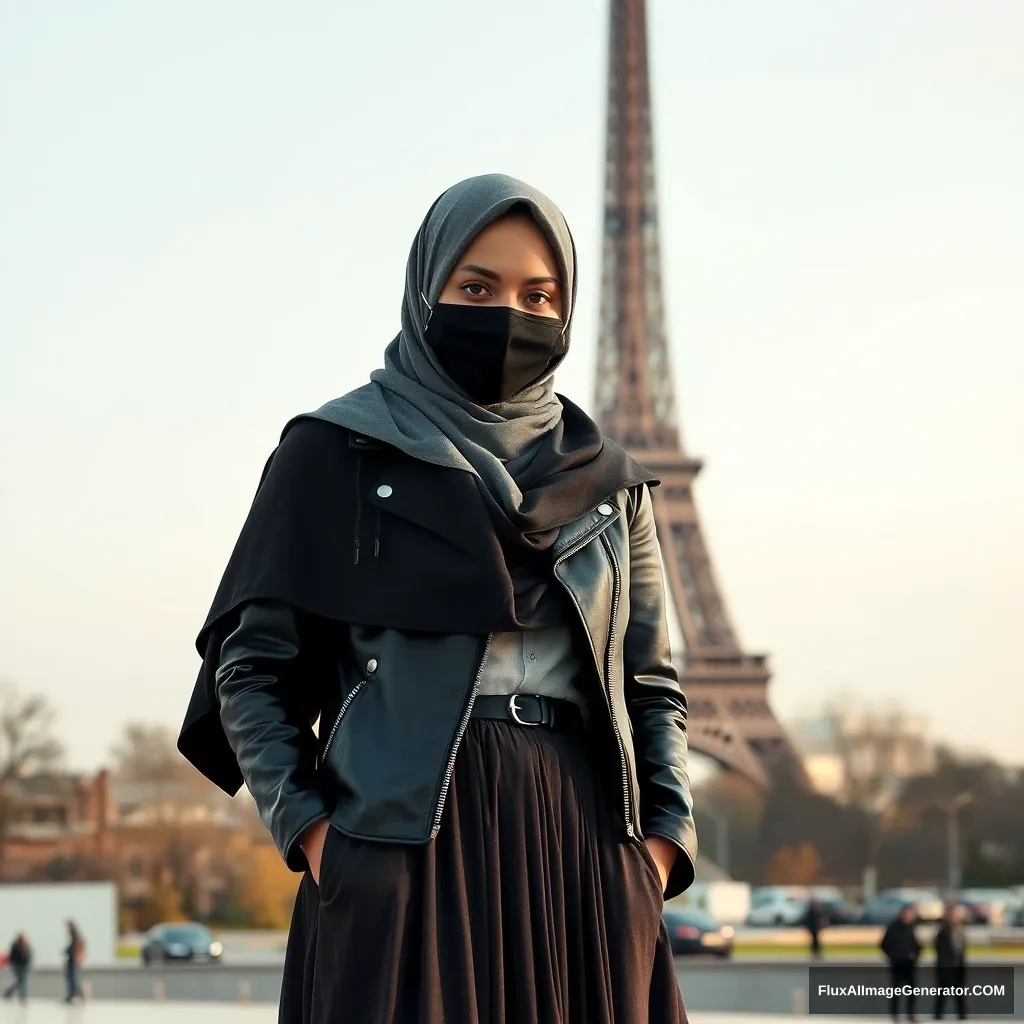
x=953, y=837
x=878, y=807
x=722, y=837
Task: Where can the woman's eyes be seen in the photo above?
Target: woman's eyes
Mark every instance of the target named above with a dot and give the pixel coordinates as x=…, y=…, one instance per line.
x=477, y=290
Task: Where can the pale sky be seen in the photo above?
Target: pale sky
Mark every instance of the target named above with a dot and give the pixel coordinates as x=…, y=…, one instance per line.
x=206, y=210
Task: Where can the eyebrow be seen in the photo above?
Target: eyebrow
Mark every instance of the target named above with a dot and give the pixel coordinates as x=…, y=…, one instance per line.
x=472, y=268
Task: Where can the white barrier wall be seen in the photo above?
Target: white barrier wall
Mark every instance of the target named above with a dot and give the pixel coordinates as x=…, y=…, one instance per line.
x=727, y=902
x=42, y=910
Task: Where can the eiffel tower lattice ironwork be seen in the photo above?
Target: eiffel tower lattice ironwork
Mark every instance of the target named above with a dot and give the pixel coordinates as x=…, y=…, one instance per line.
x=726, y=688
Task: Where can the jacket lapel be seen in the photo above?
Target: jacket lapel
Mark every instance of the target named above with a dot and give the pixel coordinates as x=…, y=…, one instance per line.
x=578, y=534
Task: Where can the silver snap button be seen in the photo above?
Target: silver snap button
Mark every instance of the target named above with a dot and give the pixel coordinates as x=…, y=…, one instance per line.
x=385, y=491
x=371, y=665
x=605, y=510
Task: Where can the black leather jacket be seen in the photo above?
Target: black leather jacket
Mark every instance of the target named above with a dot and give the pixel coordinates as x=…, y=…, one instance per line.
x=393, y=706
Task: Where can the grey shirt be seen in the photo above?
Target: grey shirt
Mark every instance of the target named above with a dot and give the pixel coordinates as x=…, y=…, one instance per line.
x=539, y=661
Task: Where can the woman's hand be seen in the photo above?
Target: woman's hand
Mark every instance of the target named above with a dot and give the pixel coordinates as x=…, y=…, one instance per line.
x=312, y=843
x=664, y=854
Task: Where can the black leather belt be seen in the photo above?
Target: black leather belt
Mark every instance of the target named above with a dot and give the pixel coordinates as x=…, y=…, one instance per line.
x=529, y=709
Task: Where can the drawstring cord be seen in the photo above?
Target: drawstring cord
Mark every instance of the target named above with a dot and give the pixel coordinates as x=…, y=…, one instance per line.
x=359, y=509
x=376, y=535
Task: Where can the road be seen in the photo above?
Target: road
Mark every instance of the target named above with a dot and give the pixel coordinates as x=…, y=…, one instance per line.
x=266, y=947
x=252, y=970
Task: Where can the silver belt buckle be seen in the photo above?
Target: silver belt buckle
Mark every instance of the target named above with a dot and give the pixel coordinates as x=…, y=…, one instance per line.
x=515, y=711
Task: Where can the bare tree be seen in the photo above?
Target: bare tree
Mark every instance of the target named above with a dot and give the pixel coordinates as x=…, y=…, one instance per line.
x=879, y=751
x=163, y=796
x=146, y=753
x=146, y=756
x=27, y=747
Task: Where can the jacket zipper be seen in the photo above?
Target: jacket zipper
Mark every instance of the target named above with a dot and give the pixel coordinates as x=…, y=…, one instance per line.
x=341, y=714
x=450, y=770
x=626, y=795
x=616, y=591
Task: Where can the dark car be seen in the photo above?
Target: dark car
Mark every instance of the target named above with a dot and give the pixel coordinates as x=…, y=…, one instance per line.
x=887, y=905
x=974, y=912
x=832, y=907
x=693, y=931
x=837, y=912
x=989, y=906
x=180, y=943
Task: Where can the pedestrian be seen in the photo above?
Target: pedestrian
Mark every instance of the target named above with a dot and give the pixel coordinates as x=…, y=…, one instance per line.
x=815, y=921
x=460, y=577
x=901, y=949
x=74, y=955
x=20, y=959
x=951, y=960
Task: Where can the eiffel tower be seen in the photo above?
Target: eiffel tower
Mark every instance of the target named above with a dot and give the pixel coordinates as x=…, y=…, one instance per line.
x=726, y=688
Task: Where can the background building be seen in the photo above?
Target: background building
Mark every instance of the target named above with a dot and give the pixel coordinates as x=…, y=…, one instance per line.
x=864, y=757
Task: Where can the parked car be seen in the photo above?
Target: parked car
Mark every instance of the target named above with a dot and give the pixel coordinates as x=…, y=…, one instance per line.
x=989, y=906
x=180, y=942
x=886, y=905
x=779, y=905
x=973, y=913
x=833, y=906
x=693, y=931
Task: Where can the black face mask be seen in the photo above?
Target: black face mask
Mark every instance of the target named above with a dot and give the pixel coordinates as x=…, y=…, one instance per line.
x=493, y=352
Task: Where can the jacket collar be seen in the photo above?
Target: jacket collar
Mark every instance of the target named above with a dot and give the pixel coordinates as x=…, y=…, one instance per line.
x=410, y=489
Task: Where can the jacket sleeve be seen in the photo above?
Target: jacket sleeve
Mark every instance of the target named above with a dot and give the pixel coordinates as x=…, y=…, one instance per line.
x=267, y=710
x=657, y=707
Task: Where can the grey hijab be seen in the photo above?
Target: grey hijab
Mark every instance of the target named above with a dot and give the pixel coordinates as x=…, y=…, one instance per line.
x=539, y=461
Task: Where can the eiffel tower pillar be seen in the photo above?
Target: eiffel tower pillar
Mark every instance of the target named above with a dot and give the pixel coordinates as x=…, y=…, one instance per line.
x=730, y=719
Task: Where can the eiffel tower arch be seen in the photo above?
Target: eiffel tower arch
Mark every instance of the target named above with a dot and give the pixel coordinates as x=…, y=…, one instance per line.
x=726, y=687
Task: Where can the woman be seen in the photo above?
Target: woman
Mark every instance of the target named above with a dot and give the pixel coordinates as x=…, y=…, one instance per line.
x=459, y=576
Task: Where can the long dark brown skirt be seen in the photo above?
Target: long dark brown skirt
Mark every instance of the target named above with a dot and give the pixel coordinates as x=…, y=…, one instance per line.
x=532, y=906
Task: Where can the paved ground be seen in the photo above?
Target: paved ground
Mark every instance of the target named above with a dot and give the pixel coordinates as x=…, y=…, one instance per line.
x=129, y=1013
x=200, y=1013
x=716, y=988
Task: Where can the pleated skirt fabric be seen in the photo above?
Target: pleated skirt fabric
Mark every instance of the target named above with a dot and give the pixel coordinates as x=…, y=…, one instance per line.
x=532, y=906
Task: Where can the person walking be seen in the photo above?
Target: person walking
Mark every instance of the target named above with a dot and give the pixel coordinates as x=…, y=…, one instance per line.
x=951, y=961
x=815, y=922
x=74, y=957
x=902, y=949
x=459, y=576
x=20, y=959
